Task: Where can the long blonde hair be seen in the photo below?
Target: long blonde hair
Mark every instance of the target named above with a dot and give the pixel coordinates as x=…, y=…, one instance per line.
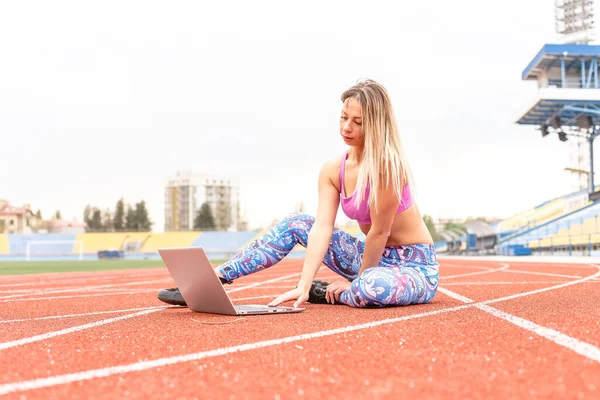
x=383, y=158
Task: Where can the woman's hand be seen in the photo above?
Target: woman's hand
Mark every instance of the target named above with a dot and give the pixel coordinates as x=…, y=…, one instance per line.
x=335, y=288
x=297, y=294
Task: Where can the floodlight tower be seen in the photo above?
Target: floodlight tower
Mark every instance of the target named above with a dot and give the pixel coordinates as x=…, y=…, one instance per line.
x=568, y=97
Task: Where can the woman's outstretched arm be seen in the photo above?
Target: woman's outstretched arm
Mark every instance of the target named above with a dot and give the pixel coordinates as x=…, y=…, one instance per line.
x=318, y=238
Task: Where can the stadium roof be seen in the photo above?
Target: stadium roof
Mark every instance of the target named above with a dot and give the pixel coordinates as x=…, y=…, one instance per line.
x=551, y=54
x=568, y=104
x=480, y=228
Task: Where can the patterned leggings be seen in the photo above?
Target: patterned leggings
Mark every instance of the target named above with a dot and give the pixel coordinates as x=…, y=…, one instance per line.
x=405, y=275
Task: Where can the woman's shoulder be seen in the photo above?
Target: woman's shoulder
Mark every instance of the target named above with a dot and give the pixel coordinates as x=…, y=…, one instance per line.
x=332, y=165
x=330, y=170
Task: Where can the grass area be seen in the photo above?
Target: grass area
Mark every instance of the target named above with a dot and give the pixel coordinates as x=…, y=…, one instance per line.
x=41, y=267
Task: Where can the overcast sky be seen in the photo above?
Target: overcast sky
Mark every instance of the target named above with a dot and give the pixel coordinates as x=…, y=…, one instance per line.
x=100, y=100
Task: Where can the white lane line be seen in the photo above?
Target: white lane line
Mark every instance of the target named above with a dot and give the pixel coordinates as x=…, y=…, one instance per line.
x=74, y=296
x=80, y=279
x=114, y=311
x=37, y=338
x=115, y=292
x=489, y=271
x=145, y=365
x=455, y=296
x=263, y=282
x=84, y=314
x=541, y=290
x=14, y=343
x=578, y=346
x=518, y=271
x=87, y=288
x=445, y=265
x=503, y=283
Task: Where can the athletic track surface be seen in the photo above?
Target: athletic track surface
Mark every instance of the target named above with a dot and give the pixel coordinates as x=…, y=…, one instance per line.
x=498, y=328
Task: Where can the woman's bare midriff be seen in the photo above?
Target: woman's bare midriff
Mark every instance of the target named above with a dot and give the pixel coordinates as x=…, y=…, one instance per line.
x=408, y=228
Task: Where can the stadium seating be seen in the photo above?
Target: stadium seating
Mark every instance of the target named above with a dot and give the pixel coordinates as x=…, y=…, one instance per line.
x=224, y=241
x=94, y=242
x=578, y=227
x=542, y=213
x=17, y=243
x=169, y=239
x=3, y=243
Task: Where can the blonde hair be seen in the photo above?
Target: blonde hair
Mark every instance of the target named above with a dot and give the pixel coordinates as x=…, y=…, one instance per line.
x=383, y=158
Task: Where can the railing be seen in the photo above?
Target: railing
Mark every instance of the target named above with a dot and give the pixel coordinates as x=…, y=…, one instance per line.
x=572, y=243
x=570, y=83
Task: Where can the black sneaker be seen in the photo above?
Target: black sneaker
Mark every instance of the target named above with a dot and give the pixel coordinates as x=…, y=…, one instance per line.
x=173, y=295
x=316, y=295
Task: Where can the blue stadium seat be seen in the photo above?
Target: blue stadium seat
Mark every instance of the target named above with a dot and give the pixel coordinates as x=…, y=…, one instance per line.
x=17, y=243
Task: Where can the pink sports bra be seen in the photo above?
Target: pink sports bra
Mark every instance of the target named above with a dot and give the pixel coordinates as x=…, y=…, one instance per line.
x=362, y=214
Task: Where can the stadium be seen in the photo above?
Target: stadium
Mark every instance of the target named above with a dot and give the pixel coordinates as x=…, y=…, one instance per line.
x=515, y=315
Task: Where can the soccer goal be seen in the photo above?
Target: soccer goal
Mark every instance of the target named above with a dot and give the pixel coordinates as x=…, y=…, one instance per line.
x=53, y=248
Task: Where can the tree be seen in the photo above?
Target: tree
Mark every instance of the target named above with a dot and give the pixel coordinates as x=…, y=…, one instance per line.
x=223, y=217
x=431, y=227
x=107, y=221
x=130, y=223
x=87, y=216
x=119, y=217
x=454, y=226
x=142, y=220
x=204, y=220
x=96, y=219
x=38, y=215
x=58, y=215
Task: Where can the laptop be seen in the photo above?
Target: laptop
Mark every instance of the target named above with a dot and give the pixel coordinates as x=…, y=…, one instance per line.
x=201, y=288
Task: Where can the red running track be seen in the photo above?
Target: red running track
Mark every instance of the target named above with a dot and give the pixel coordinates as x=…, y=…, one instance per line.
x=496, y=329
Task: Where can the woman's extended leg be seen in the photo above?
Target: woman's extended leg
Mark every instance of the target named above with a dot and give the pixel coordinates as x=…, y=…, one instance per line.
x=342, y=256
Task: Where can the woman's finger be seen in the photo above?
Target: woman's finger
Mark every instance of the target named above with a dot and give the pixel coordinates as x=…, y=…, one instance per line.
x=300, y=300
x=284, y=297
x=337, y=293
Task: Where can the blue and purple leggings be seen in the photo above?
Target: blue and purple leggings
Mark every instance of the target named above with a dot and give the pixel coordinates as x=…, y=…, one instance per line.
x=405, y=275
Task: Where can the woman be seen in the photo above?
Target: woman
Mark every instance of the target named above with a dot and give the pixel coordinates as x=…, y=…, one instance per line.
x=396, y=264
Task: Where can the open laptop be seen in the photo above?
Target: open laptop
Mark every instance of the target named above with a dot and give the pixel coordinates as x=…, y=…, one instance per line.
x=201, y=288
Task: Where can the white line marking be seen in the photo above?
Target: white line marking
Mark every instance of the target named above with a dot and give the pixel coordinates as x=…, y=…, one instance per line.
x=455, y=295
x=489, y=271
x=83, y=279
x=87, y=288
x=83, y=314
x=114, y=311
x=144, y=365
x=20, y=342
x=518, y=271
x=580, y=347
x=264, y=282
x=562, y=285
x=119, y=293
x=114, y=292
x=78, y=328
x=502, y=283
x=446, y=265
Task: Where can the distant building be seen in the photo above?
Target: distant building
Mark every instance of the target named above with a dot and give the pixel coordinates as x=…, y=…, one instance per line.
x=15, y=219
x=186, y=192
x=65, y=226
